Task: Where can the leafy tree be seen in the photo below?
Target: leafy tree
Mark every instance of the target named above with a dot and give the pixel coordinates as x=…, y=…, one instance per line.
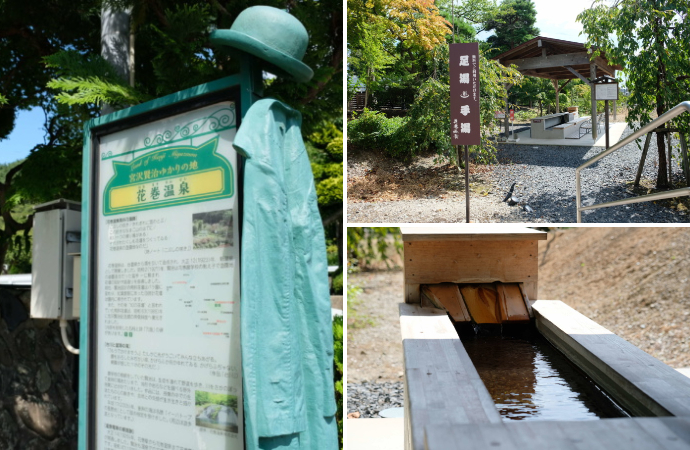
x=649, y=38
x=49, y=53
x=400, y=36
x=468, y=18
x=513, y=25
x=368, y=244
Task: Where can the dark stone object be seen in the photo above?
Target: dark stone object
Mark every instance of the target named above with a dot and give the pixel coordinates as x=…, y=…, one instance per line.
x=12, y=310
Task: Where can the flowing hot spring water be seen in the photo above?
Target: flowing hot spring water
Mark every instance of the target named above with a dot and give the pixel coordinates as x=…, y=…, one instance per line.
x=529, y=379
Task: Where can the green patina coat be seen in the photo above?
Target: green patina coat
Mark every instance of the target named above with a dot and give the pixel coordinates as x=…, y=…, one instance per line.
x=287, y=340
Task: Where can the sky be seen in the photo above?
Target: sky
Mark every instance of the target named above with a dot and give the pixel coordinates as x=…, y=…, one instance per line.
x=557, y=19
x=28, y=132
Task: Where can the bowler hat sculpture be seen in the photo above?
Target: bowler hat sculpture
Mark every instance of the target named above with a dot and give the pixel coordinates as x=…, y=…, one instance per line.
x=272, y=35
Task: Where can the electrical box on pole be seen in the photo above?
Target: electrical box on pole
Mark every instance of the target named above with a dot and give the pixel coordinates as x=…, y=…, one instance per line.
x=56, y=238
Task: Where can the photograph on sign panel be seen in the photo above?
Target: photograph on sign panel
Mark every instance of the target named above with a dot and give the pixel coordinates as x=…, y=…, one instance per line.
x=212, y=229
x=217, y=411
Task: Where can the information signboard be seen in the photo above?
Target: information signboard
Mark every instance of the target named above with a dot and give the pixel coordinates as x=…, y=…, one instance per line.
x=164, y=333
x=606, y=91
x=464, y=94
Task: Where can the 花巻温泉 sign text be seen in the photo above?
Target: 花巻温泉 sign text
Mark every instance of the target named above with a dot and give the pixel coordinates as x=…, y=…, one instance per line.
x=464, y=94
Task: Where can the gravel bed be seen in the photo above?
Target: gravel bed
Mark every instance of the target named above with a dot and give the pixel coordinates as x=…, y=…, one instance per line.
x=545, y=178
x=434, y=210
x=370, y=398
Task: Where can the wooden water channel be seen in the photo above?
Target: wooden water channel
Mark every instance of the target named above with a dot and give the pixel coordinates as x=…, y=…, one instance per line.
x=447, y=405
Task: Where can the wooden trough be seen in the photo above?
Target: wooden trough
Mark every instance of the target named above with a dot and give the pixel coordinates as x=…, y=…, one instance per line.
x=447, y=405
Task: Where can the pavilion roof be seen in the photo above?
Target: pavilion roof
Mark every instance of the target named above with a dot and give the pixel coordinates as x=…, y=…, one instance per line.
x=556, y=59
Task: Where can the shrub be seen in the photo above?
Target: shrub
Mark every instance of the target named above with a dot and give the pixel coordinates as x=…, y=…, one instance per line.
x=373, y=130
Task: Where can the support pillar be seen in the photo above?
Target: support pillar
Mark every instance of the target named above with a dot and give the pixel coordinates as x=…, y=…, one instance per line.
x=593, y=76
x=555, y=86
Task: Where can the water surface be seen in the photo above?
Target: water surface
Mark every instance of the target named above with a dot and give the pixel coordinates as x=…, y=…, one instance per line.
x=529, y=379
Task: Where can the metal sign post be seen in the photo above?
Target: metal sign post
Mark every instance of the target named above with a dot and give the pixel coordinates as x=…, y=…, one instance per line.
x=464, y=103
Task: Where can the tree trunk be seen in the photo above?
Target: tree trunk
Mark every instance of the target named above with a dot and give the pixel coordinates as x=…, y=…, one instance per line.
x=662, y=180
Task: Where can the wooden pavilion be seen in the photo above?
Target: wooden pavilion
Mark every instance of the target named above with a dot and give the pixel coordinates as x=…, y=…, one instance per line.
x=545, y=57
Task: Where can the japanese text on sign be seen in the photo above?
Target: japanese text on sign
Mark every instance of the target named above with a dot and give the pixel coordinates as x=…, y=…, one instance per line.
x=464, y=94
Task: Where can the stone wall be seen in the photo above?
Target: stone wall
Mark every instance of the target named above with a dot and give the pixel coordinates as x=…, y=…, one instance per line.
x=37, y=379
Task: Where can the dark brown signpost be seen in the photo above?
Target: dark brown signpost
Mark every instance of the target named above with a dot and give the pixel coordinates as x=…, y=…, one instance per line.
x=464, y=104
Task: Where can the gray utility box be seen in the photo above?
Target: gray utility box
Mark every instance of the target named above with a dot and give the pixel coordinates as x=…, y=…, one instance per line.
x=56, y=240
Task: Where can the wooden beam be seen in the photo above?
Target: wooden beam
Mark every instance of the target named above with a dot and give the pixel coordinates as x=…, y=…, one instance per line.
x=639, y=382
x=605, y=66
x=432, y=262
x=577, y=74
x=545, y=62
x=566, y=83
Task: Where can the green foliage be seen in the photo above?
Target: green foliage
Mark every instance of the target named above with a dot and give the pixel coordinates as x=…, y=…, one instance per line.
x=513, y=25
x=49, y=54
x=427, y=124
x=181, y=43
x=372, y=129
x=326, y=156
x=337, y=286
x=338, y=372
x=367, y=245
x=92, y=90
x=649, y=38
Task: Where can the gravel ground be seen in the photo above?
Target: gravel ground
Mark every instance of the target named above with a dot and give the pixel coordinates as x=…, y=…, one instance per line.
x=545, y=178
x=545, y=181
x=370, y=398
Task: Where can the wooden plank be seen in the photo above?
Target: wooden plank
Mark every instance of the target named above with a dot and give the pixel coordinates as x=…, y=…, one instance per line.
x=441, y=383
x=412, y=293
x=605, y=434
x=433, y=262
x=482, y=302
x=498, y=232
x=510, y=297
x=641, y=383
x=447, y=296
x=425, y=323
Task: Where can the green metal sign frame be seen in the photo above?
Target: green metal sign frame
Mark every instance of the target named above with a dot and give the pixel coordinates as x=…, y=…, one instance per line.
x=244, y=88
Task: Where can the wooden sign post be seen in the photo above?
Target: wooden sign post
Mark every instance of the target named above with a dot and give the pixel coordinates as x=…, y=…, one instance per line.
x=464, y=104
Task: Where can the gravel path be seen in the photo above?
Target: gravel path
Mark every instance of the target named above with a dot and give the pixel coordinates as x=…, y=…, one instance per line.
x=370, y=398
x=545, y=180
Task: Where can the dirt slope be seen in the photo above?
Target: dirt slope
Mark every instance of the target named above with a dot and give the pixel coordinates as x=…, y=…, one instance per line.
x=633, y=281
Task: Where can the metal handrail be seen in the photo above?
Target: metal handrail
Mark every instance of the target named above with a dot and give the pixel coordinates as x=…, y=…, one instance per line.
x=662, y=119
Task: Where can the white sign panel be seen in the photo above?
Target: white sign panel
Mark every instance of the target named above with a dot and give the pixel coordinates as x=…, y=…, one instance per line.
x=168, y=373
x=606, y=91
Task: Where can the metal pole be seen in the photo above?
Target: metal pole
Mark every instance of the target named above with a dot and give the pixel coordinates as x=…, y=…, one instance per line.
x=467, y=183
x=670, y=155
x=606, y=121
